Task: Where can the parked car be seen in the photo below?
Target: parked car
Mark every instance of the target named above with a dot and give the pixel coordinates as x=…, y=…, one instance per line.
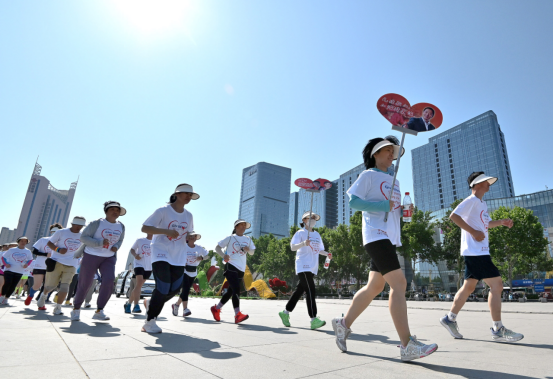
x=123, y=283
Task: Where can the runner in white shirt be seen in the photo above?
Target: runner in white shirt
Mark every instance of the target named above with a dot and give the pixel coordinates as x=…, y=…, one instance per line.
x=194, y=255
x=41, y=251
x=236, y=247
x=170, y=226
x=15, y=260
x=370, y=193
x=471, y=215
x=141, y=252
x=61, y=265
x=308, y=251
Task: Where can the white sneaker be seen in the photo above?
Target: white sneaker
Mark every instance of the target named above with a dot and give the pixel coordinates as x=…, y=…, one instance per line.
x=151, y=327
x=186, y=312
x=175, y=308
x=41, y=301
x=342, y=333
x=100, y=315
x=416, y=349
x=57, y=310
x=76, y=315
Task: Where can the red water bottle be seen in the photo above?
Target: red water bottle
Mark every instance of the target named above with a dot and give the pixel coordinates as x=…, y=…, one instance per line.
x=407, y=213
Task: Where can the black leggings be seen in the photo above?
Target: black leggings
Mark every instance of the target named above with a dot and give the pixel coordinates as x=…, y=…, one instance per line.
x=186, y=284
x=233, y=276
x=168, y=283
x=11, y=279
x=307, y=286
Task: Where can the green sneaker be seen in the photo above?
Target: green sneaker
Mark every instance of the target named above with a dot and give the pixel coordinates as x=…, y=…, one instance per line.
x=317, y=323
x=285, y=318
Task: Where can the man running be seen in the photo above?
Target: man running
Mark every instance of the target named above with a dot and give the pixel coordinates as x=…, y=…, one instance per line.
x=472, y=217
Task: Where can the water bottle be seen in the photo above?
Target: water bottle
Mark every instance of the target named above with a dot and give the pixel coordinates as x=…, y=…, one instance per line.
x=407, y=213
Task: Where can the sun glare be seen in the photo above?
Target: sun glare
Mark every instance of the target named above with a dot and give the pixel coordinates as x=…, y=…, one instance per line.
x=154, y=16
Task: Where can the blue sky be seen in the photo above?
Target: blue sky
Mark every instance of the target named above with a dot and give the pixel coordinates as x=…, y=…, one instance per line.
x=139, y=98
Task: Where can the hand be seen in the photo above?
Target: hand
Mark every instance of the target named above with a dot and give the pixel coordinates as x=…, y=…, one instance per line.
x=226, y=258
x=105, y=242
x=172, y=234
x=113, y=249
x=478, y=235
x=507, y=222
x=329, y=255
x=391, y=205
x=63, y=251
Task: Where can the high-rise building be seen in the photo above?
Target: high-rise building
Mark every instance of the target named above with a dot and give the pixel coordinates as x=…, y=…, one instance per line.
x=441, y=167
x=43, y=206
x=264, y=199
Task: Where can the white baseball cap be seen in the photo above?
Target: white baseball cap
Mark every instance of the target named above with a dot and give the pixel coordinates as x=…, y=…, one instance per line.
x=186, y=188
x=248, y=225
x=481, y=178
x=78, y=220
x=313, y=215
x=384, y=143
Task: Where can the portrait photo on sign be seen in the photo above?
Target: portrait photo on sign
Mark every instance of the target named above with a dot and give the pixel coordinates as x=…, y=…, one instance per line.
x=421, y=117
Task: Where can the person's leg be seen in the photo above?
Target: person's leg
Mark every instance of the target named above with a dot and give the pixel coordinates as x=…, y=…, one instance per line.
x=494, y=297
x=398, y=304
x=364, y=297
x=291, y=304
x=89, y=266
x=107, y=272
x=462, y=295
x=135, y=295
x=90, y=292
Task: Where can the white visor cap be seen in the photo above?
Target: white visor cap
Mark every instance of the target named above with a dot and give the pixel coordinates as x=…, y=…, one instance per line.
x=198, y=236
x=317, y=217
x=76, y=220
x=248, y=225
x=186, y=188
x=384, y=143
x=481, y=178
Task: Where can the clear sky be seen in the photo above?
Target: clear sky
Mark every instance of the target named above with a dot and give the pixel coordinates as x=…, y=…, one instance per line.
x=137, y=98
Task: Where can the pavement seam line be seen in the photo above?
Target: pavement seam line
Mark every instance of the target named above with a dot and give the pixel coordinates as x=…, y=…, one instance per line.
x=66, y=345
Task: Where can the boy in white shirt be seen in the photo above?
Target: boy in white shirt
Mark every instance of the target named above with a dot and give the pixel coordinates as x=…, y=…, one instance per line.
x=472, y=217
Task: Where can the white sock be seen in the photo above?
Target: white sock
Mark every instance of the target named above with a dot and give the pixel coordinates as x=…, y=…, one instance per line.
x=286, y=312
x=497, y=325
x=452, y=317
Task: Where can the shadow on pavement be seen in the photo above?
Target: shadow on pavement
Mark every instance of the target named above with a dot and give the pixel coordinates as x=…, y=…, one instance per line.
x=180, y=344
x=279, y=330
x=98, y=330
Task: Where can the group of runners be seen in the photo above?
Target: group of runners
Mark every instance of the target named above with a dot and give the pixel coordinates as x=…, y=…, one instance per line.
x=170, y=252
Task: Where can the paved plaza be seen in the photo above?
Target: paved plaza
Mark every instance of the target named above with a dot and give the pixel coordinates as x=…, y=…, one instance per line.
x=40, y=345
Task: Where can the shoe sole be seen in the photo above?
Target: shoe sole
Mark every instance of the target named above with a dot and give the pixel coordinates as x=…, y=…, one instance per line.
x=335, y=328
x=420, y=357
x=449, y=330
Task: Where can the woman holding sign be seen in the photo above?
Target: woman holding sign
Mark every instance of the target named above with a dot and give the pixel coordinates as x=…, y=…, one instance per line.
x=170, y=226
x=370, y=193
x=236, y=247
x=308, y=246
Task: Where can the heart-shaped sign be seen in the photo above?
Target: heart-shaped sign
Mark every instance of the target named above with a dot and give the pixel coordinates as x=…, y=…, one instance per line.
x=421, y=117
x=318, y=184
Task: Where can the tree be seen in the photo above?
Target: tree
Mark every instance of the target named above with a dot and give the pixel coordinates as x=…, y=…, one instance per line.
x=450, y=249
x=520, y=249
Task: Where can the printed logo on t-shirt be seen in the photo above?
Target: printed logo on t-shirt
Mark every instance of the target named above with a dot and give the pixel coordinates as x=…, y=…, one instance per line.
x=385, y=188
x=146, y=250
x=72, y=244
x=19, y=256
x=113, y=236
x=180, y=227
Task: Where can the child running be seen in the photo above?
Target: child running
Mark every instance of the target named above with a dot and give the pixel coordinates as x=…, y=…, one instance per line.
x=370, y=194
x=194, y=254
x=472, y=217
x=142, y=271
x=15, y=260
x=307, y=250
x=170, y=226
x=236, y=247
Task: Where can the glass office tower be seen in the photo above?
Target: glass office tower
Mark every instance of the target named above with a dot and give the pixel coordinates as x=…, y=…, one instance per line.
x=264, y=199
x=441, y=167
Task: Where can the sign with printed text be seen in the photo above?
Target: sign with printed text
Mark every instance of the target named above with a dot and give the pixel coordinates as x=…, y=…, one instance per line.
x=320, y=184
x=421, y=117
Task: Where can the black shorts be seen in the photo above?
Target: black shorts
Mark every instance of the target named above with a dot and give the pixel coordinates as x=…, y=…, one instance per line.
x=383, y=256
x=480, y=267
x=139, y=271
x=39, y=271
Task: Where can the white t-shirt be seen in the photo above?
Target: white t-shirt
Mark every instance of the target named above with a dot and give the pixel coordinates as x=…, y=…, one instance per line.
x=106, y=230
x=16, y=258
x=42, y=246
x=475, y=213
x=165, y=248
x=191, y=255
x=374, y=186
x=237, y=256
x=142, y=247
x=64, y=238
x=307, y=258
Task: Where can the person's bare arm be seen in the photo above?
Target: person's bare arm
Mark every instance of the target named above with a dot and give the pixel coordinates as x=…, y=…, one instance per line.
x=477, y=235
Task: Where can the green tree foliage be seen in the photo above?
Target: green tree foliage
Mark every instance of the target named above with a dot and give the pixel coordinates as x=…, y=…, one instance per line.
x=450, y=249
x=520, y=249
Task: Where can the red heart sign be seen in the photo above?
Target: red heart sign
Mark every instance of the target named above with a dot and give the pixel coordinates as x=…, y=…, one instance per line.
x=420, y=117
x=318, y=184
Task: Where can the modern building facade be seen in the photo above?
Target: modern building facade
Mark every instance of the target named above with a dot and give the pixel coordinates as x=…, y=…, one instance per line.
x=441, y=167
x=264, y=199
x=43, y=205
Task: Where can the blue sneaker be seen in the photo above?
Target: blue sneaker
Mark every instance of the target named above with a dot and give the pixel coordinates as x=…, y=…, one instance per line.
x=137, y=309
x=127, y=307
x=451, y=327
